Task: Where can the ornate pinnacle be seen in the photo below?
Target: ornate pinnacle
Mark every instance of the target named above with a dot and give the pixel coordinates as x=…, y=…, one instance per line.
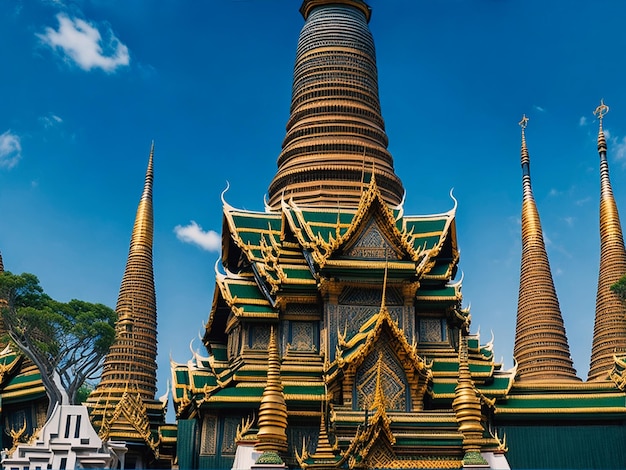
x=525, y=158
x=600, y=112
x=272, y=434
x=379, y=392
x=466, y=405
x=324, y=450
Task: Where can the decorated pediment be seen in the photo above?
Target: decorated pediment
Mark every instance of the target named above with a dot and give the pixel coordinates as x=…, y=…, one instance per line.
x=372, y=244
x=406, y=373
x=130, y=413
x=371, y=232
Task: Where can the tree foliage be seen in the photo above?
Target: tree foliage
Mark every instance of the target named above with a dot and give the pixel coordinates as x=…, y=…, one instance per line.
x=619, y=288
x=67, y=341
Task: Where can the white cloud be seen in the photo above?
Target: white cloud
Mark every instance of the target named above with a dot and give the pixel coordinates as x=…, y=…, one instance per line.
x=554, y=192
x=620, y=149
x=193, y=233
x=10, y=149
x=582, y=121
x=607, y=133
x=50, y=120
x=82, y=43
x=539, y=108
x=583, y=201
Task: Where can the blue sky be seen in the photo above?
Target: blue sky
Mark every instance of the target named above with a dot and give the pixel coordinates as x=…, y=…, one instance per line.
x=87, y=85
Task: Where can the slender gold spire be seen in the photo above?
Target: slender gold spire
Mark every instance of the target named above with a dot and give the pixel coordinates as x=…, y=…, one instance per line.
x=132, y=357
x=272, y=435
x=335, y=122
x=609, y=332
x=541, y=348
x=466, y=405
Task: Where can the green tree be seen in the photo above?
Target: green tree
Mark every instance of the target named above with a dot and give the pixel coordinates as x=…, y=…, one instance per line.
x=620, y=288
x=66, y=341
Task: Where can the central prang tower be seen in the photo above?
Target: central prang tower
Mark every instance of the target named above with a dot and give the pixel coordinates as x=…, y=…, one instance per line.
x=335, y=132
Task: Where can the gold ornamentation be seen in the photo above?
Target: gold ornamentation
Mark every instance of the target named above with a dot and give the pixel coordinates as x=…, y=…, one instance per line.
x=466, y=403
x=601, y=110
x=618, y=374
x=17, y=436
x=272, y=434
x=133, y=409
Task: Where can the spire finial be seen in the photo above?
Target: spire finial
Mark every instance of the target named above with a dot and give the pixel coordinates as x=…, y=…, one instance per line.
x=600, y=112
x=523, y=123
x=525, y=157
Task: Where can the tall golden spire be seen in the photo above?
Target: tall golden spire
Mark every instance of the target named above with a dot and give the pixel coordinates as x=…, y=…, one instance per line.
x=131, y=360
x=609, y=332
x=272, y=434
x=541, y=348
x=335, y=125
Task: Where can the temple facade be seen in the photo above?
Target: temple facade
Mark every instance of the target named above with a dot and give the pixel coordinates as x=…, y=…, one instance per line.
x=337, y=336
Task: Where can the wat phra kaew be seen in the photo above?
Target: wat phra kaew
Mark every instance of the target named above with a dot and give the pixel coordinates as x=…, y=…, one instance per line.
x=337, y=337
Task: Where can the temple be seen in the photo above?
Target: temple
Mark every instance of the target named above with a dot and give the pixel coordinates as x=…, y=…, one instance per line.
x=378, y=367
x=337, y=336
